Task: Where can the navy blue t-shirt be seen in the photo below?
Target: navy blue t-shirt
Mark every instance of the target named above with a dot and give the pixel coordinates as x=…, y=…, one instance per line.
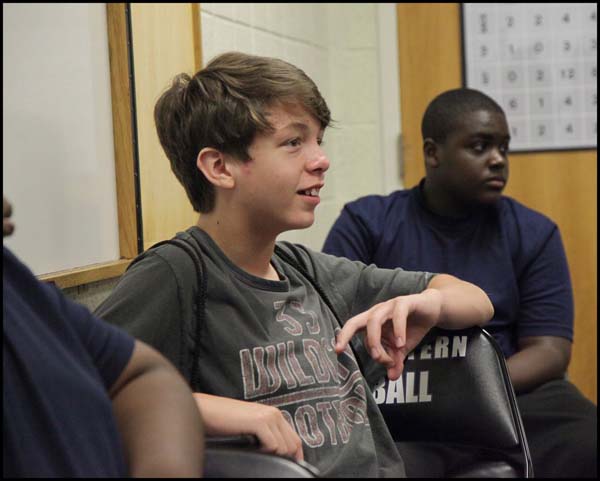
x=513, y=253
x=58, y=363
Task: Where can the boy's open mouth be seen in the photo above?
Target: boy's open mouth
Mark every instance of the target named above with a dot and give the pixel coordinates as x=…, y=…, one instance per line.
x=310, y=192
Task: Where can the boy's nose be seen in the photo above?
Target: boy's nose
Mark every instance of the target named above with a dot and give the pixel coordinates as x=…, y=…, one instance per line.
x=319, y=160
x=497, y=158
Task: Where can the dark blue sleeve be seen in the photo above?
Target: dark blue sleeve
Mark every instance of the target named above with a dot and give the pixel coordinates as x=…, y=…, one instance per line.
x=109, y=347
x=351, y=235
x=546, y=307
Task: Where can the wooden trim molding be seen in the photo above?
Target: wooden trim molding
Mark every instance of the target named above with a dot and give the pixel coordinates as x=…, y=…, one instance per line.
x=147, y=17
x=164, y=44
x=87, y=274
x=120, y=78
x=197, y=32
x=124, y=159
x=425, y=31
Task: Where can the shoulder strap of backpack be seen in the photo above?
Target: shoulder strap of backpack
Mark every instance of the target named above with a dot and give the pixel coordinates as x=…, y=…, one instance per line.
x=295, y=262
x=199, y=302
x=200, y=292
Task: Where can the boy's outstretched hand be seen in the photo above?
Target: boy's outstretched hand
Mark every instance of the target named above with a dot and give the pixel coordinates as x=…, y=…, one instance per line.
x=394, y=328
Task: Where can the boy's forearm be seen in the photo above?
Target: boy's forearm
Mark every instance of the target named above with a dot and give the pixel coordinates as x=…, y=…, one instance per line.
x=538, y=360
x=159, y=422
x=219, y=413
x=232, y=417
x=463, y=305
x=227, y=416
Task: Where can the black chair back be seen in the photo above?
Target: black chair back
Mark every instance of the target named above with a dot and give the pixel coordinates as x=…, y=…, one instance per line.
x=455, y=388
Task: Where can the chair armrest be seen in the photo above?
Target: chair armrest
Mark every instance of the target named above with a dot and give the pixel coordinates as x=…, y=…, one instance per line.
x=239, y=457
x=488, y=469
x=242, y=441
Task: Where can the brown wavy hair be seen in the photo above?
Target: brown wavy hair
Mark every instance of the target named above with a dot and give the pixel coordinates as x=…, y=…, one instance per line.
x=224, y=106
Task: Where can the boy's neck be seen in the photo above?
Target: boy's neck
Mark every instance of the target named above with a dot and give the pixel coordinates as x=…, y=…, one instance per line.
x=443, y=204
x=250, y=251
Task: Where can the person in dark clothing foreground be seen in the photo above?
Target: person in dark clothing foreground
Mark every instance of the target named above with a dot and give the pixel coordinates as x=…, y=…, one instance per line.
x=82, y=398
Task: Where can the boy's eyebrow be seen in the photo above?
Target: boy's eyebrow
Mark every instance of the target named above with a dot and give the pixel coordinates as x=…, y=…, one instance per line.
x=487, y=136
x=296, y=125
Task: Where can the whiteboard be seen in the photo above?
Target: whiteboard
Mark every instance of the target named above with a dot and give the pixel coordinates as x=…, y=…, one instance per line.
x=58, y=157
x=538, y=61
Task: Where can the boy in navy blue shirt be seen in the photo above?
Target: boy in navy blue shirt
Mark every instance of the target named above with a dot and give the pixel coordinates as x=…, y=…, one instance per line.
x=457, y=221
x=83, y=398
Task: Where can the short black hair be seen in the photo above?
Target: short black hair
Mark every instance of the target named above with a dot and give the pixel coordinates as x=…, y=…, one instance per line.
x=447, y=108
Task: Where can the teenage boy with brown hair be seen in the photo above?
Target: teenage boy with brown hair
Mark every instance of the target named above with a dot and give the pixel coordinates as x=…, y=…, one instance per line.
x=271, y=355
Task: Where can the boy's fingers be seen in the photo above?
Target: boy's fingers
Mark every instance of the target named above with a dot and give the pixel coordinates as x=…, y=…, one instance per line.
x=372, y=320
x=299, y=456
x=399, y=322
x=294, y=444
x=267, y=439
x=395, y=371
x=377, y=317
x=381, y=356
x=350, y=328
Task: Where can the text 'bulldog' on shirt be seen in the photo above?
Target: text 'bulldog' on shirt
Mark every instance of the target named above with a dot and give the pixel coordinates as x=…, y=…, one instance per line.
x=281, y=367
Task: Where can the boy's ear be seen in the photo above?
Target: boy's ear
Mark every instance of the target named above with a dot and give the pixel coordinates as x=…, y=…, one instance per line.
x=211, y=162
x=431, y=153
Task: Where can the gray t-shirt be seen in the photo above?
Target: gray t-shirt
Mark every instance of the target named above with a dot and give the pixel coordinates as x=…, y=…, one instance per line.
x=272, y=342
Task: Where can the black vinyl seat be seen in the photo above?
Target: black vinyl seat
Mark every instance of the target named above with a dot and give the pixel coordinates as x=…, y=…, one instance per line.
x=456, y=389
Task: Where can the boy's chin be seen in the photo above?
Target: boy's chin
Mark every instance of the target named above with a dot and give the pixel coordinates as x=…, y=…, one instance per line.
x=489, y=197
x=302, y=223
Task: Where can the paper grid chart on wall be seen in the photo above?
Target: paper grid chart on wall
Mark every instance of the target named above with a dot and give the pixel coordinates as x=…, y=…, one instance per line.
x=538, y=61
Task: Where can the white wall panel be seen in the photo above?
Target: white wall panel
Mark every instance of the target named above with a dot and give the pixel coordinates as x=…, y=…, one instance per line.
x=337, y=46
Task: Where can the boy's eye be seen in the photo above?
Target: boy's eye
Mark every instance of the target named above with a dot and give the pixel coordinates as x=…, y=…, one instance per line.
x=481, y=147
x=297, y=142
x=478, y=147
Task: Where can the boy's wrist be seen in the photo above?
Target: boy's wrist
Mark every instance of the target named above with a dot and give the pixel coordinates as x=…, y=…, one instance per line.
x=433, y=303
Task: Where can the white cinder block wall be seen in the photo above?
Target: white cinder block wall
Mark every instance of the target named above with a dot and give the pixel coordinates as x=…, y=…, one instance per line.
x=336, y=45
x=349, y=51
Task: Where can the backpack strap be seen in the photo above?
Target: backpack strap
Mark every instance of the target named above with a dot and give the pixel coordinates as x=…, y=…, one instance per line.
x=294, y=260
x=192, y=249
x=296, y=264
